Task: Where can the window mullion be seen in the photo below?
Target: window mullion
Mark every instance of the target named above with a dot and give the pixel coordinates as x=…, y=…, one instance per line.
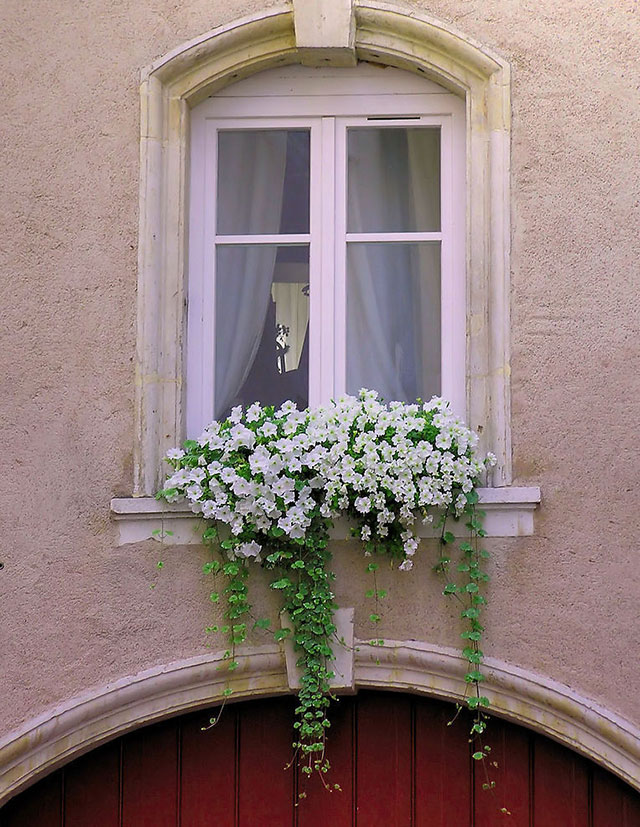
x=323, y=189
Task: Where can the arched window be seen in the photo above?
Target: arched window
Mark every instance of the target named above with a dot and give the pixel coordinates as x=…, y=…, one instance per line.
x=326, y=242
x=232, y=135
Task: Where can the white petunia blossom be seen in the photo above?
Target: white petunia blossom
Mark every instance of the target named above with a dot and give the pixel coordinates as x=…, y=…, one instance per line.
x=382, y=465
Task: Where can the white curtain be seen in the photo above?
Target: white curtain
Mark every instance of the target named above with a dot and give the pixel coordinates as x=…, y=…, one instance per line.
x=393, y=290
x=251, y=173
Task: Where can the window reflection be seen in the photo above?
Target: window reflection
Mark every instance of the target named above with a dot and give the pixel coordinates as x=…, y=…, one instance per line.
x=262, y=326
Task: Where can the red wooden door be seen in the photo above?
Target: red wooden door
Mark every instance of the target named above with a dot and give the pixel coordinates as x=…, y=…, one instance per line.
x=396, y=759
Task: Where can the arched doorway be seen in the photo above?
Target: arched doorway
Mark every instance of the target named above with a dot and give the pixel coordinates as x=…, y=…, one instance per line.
x=395, y=756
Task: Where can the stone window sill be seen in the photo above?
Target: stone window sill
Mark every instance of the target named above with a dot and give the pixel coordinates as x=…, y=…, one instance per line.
x=509, y=513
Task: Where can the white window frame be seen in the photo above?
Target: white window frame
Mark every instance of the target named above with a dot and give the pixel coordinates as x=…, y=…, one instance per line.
x=328, y=110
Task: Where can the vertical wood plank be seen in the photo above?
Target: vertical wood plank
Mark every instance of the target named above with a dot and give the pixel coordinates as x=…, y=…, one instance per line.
x=208, y=769
x=630, y=808
x=510, y=752
x=91, y=789
x=39, y=806
x=614, y=804
x=442, y=766
x=266, y=789
x=384, y=761
x=150, y=776
x=320, y=807
x=561, y=785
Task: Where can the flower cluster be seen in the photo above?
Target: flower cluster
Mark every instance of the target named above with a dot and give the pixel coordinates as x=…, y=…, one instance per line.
x=269, y=473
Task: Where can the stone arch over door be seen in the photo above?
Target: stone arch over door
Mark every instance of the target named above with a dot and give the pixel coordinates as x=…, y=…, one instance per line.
x=397, y=758
x=100, y=715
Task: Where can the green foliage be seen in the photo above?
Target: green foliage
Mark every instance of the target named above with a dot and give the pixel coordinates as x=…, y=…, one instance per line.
x=466, y=590
x=300, y=565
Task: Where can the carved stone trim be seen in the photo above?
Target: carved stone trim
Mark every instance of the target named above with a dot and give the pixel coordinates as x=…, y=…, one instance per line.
x=325, y=32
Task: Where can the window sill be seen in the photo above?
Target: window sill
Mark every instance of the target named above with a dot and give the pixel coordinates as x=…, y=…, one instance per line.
x=509, y=513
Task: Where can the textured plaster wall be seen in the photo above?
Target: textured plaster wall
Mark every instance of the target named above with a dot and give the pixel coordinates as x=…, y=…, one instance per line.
x=77, y=611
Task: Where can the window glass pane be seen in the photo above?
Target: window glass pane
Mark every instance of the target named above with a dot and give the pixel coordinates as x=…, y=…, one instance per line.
x=263, y=182
x=262, y=323
x=393, y=319
x=393, y=180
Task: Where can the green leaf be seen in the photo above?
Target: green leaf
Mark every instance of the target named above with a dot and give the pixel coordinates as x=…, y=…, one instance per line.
x=214, y=597
x=372, y=567
x=374, y=618
x=369, y=593
x=274, y=558
x=478, y=756
x=263, y=623
x=283, y=583
x=448, y=538
x=159, y=564
x=474, y=677
x=281, y=634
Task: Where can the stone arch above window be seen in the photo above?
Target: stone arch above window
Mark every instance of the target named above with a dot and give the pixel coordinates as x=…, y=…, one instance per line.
x=340, y=34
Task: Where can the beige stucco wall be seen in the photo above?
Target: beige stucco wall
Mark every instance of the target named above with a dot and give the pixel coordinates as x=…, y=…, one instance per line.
x=77, y=610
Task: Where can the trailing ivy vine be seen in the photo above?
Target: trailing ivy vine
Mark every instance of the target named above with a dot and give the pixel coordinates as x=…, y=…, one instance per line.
x=270, y=482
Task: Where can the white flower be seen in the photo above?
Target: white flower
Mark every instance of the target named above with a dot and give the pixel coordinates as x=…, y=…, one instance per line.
x=253, y=412
x=236, y=414
x=249, y=550
x=268, y=429
x=193, y=492
x=363, y=504
x=392, y=462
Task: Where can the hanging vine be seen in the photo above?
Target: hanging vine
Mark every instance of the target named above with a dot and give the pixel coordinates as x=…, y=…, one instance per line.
x=276, y=479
